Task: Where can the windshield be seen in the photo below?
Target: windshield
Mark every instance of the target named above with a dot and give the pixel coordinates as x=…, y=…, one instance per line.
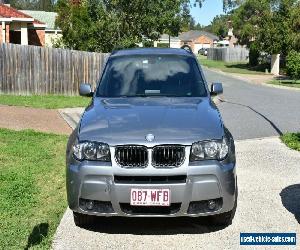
x=151, y=75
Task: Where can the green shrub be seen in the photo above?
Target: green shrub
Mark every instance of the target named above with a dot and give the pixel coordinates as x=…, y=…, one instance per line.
x=253, y=55
x=162, y=45
x=293, y=64
x=148, y=44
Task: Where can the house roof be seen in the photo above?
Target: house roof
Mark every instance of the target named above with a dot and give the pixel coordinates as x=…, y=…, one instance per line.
x=47, y=17
x=9, y=12
x=194, y=34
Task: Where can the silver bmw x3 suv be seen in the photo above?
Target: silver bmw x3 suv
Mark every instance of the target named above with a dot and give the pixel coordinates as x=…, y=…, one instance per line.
x=151, y=143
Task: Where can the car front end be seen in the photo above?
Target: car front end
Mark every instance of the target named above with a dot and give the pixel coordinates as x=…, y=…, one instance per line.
x=197, y=188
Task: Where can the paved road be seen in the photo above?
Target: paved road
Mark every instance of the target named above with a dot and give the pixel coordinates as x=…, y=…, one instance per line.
x=269, y=194
x=254, y=111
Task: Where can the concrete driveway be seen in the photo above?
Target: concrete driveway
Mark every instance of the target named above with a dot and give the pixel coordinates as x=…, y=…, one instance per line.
x=268, y=179
x=45, y=120
x=269, y=194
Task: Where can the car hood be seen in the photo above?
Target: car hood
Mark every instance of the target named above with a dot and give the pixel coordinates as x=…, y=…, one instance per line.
x=178, y=120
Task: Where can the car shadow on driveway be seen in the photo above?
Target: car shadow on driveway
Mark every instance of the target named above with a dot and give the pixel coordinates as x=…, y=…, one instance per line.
x=279, y=132
x=290, y=197
x=153, y=226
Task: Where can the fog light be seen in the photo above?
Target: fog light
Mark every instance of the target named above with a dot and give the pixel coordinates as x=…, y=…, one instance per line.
x=89, y=205
x=211, y=205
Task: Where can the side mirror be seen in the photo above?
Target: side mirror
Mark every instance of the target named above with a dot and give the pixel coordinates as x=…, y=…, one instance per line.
x=216, y=89
x=85, y=90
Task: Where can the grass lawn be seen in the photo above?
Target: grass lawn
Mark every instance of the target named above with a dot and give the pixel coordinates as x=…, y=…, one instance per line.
x=292, y=140
x=45, y=101
x=238, y=68
x=32, y=188
x=288, y=83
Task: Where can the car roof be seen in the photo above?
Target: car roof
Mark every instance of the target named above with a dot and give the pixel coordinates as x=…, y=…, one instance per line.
x=151, y=51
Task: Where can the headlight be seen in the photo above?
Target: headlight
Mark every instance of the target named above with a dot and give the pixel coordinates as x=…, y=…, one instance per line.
x=92, y=151
x=209, y=150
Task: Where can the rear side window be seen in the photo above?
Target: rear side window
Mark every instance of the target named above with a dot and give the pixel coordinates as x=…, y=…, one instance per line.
x=152, y=75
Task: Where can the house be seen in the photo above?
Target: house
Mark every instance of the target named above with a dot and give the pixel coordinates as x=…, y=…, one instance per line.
x=20, y=28
x=165, y=40
x=52, y=33
x=197, y=39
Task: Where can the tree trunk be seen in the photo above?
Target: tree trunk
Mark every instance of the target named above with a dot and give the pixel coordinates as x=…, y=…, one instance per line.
x=275, y=64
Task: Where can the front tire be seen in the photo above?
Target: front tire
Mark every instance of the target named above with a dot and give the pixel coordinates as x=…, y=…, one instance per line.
x=82, y=220
x=225, y=219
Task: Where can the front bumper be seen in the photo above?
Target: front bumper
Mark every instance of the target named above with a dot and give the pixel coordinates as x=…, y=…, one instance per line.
x=206, y=180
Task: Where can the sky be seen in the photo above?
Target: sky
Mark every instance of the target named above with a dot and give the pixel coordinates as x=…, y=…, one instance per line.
x=209, y=10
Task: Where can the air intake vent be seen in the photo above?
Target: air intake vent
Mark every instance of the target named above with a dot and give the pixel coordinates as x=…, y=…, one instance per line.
x=150, y=179
x=167, y=156
x=132, y=156
x=151, y=210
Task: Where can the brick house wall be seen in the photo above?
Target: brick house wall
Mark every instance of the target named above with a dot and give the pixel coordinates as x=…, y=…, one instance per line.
x=199, y=40
x=36, y=37
x=6, y=32
x=1, y=40
x=204, y=40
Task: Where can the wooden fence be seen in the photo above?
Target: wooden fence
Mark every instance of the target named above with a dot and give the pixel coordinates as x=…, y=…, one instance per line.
x=228, y=54
x=36, y=70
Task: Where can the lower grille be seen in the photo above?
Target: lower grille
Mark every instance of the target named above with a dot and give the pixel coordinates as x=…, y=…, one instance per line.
x=132, y=156
x=150, y=179
x=155, y=210
x=168, y=156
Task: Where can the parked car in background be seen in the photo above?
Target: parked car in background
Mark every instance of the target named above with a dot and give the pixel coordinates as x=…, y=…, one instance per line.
x=202, y=51
x=151, y=143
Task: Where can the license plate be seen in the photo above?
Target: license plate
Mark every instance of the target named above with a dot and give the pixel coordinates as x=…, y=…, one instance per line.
x=150, y=197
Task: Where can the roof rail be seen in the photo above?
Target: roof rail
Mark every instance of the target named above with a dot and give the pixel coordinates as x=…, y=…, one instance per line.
x=187, y=48
x=121, y=47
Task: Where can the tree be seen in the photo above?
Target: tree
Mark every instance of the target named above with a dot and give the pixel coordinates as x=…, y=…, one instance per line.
x=272, y=24
x=193, y=25
x=219, y=25
x=101, y=25
x=231, y=4
x=45, y=5
x=294, y=23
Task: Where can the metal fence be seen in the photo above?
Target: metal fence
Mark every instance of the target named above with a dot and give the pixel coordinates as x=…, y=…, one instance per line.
x=38, y=70
x=228, y=54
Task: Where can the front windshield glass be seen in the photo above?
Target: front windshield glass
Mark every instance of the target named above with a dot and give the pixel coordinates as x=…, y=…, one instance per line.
x=152, y=75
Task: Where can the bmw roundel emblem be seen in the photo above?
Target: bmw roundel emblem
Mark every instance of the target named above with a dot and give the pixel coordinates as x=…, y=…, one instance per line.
x=150, y=137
